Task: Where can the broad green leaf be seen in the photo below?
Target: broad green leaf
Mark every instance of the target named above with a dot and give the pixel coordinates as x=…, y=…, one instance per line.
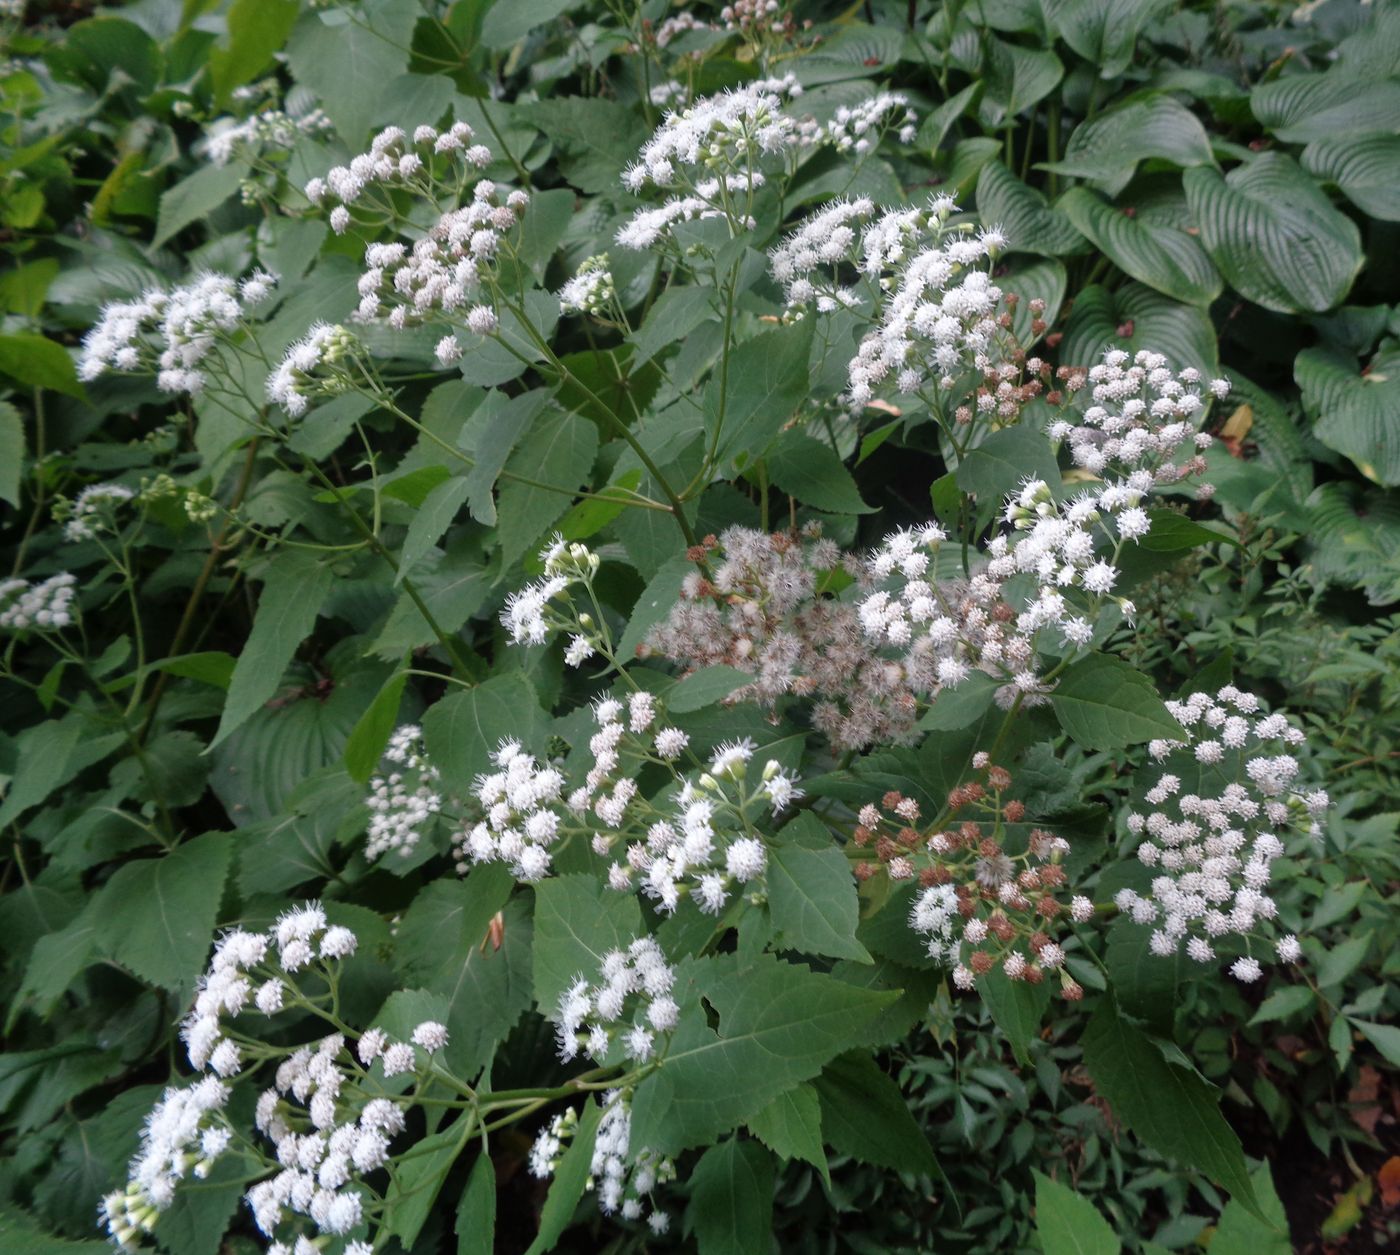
x=812, y=896
x=414, y=1186
x=1134, y=317
x=1355, y=412
x=1342, y=960
x=1170, y=1107
x=1241, y=1232
x=704, y=688
x=559, y=453
x=811, y=472
x=1107, y=148
x=192, y=199
x=791, y=1126
x=961, y=705
x=1103, y=32
x=1299, y=108
x=156, y=916
x=11, y=452
x=1105, y=703
x=465, y=728
x=1384, y=1037
x=777, y=1026
x=865, y=1115
x=476, y=1210
x=1146, y=985
x=766, y=381
x=46, y=751
x=1015, y=78
x=937, y=122
x=577, y=921
x=1160, y=256
x=38, y=362
x=1363, y=167
x=569, y=1182
x=677, y=312
x=431, y=519
x=371, y=734
x=1006, y=460
x=196, y=1221
x=1017, y=1007
x=1068, y=1223
x=257, y=29
x=654, y=604
x=1274, y=235
x=1284, y=1003
x=21, y=1234
x=1175, y=533
x=598, y=137
x=1030, y=224
x=731, y=1201
x=506, y=24
x=296, y=587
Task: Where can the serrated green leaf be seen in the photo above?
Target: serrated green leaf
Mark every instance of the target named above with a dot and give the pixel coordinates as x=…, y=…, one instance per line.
x=577, y=921
x=811, y=472
x=1284, y=1003
x=570, y=1178
x=464, y=729
x=1006, y=460
x=1241, y=1232
x=767, y=380
x=38, y=362
x=476, y=1210
x=812, y=896
x=791, y=1126
x=731, y=1203
x=1017, y=1008
x=1068, y=1223
x=1105, y=703
x=865, y=1115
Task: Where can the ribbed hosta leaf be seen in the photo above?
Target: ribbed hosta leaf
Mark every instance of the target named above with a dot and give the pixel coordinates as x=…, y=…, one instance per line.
x=1305, y=107
x=1160, y=256
x=1354, y=413
x=1354, y=534
x=1364, y=168
x=1016, y=78
x=1030, y=224
x=1107, y=148
x=1275, y=237
x=1043, y=279
x=1135, y=317
x=1103, y=32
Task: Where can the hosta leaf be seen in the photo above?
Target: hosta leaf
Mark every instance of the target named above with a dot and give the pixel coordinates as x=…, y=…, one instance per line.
x=1103, y=32
x=1169, y=1106
x=1105, y=703
x=731, y=1201
x=1107, y=148
x=1303, y=107
x=1135, y=317
x=1274, y=236
x=1355, y=413
x=1030, y=224
x=1163, y=258
x=1044, y=279
x=1355, y=538
x=1068, y=1223
x=1363, y=167
x=1015, y=78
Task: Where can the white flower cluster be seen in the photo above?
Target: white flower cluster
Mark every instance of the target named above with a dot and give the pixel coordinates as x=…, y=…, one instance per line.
x=270, y=129
x=858, y=128
x=395, y=159
x=527, y=615
x=94, y=509
x=625, y=1179
x=591, y=290
x=45, y=605
x=630, y=1004
x=1140, y=415
x=317, y=365
x=172, y=333
x=183, y=1134
x=807, y=261
x=523, y=816
x=403, y=800
x=1213, y=841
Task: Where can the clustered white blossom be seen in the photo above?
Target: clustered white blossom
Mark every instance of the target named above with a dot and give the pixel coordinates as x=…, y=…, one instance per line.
x=625, y=1179
x=403, y=800
x=591, y=290
x=172, y=333
x=270, y=129
x=45, y=605
x=528, y=616
x=1210, y=828
x=93, y=510
x=396, y=160
x=317, y=365
x=858, y=128
x=807, y=261
x=629, y=1005
x=523, y=820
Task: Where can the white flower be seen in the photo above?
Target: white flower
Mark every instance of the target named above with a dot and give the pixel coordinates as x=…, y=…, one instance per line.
x=746, y=859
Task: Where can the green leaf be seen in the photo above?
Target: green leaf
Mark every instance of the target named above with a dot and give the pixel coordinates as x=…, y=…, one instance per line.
x=962, y=705
x=1145, y=984
x=155, y=917
x=1342, y=960
x=1274, y=235
x=1107, y=148
x=371, y=734
x=791, y=1126
x=570, y=1178
x=1354, y=412
x=38, y=362
x=767, y=380
x=1105, y=703
x=1044, y=279
x=1299, y=108
x=257, y=29
x=1004, y=461
x=1284, y=1003
x=1103, y=32
x=1017, y=1008
x=811, y=472
x=1031, y=226
x=296, y=587
x=46, y=751
x=1175, y=533
x=192, y=199
x=464, y=729
x=1170, y=1107
x=1134, y=317
x=705, y=687
x=577, y=921
x=660, y=594
x=11, y=452
x=777, y=1026
x=677, y=312
x=432, y=518
x=476, y=1210
x=1384, y=1037
x=1068, y=1223
x=598, y=137
x=1015, y=78
x=731, y=1201
x=1363, y=167
x=1160, y=256
x=417, y=1178
x=504, y=421
x=559, y=452
x=1241, y=1232
x=865, y=1115
x=812, y=895
x=20, y=1234
x=197, y=1220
